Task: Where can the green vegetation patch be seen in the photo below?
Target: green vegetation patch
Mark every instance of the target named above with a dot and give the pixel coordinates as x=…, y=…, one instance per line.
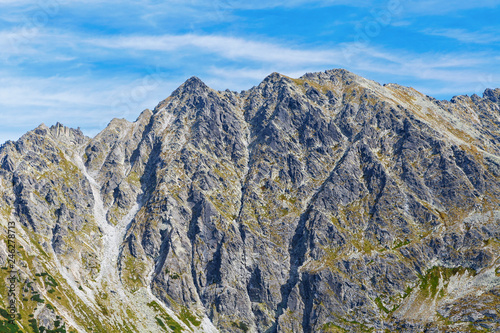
x=407, y=292
x=6, y=327
x=161, y=323
x=401, y=244
x=188, y=318
x=163, y=319
x=36, y=298
x=359, y=327
x=332, y=328
x=172, y=324
x=241, y=325
x=4, y=313
x=48, y=279
x=34, y=325
x=430, y=282
x=381, y=306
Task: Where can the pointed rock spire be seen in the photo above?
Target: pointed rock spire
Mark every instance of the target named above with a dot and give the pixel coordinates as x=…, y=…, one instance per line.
x=492, y=94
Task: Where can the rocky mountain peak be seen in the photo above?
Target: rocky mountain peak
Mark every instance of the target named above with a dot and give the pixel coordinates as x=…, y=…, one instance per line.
x=191, y=91
x=492, y=94
x=66, y=133
x=191, y=86
x=274, y=77
x=58, y=132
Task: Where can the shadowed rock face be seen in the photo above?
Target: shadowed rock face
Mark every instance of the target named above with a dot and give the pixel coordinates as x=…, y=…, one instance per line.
x=325, y=203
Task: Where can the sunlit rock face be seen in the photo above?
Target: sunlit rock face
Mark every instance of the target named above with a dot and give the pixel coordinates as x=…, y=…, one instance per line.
x=328, y=203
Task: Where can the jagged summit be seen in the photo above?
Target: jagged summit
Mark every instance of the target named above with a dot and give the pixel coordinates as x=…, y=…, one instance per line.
x=324, y=203
x=274, y=77
x=492, y=94
x=192, y=85
x=328, y=80
x=331, y=75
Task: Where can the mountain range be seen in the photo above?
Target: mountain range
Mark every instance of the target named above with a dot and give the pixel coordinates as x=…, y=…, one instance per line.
x=327, y=203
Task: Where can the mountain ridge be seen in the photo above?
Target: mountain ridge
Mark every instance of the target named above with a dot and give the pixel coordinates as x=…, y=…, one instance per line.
x=492, y=94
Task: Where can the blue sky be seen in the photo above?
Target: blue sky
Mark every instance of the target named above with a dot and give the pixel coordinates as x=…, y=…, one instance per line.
x=83, y=63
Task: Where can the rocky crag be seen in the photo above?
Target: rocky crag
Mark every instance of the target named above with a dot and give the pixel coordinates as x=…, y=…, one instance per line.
x=328, y=203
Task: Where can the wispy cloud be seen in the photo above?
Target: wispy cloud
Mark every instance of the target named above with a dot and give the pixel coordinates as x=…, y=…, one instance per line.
x=436, y=66
x=256, y=58
x=436, y=7
x=228, y=47
x=465, y=36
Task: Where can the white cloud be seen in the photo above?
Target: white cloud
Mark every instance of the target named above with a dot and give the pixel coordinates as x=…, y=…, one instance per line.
x=435, y=74
x=464, y=36
x=227, y=47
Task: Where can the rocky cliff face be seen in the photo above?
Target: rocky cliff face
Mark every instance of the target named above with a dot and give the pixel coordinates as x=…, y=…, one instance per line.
x=327, y=203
